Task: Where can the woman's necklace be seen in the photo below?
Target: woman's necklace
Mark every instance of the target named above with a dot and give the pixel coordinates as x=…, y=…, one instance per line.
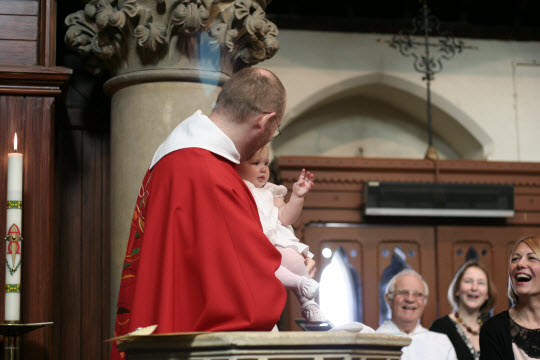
x=468, y=328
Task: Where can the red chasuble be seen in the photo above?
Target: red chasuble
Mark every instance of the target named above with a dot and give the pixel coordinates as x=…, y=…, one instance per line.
x=197, y=258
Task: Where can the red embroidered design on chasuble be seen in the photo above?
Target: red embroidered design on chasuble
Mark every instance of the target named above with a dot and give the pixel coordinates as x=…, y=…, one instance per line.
x=131, y=263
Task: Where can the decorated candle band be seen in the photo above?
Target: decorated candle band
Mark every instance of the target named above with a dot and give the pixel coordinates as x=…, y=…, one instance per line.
x=13, y=288
x=14, y=204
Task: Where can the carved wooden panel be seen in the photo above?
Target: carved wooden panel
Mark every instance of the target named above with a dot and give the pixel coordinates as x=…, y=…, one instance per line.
x=395, y=256
x=492, y=244
x=464, y=250
x=410, y=249
x=372, y=246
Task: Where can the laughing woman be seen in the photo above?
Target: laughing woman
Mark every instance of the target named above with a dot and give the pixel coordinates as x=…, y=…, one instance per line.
x=472, y=295
x=515, y=334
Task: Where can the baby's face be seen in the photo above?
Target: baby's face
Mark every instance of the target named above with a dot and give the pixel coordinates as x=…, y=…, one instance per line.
x=255, y=170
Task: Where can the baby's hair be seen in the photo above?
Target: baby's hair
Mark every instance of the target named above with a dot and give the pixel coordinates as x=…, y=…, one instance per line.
x=259, y=152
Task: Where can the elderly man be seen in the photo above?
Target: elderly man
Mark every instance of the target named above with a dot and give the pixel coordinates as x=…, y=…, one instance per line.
x=406, y=296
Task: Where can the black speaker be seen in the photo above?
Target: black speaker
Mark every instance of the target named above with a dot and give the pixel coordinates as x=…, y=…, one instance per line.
x=439, y=200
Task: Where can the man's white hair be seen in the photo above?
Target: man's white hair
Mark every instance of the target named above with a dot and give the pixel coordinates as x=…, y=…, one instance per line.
x=390, y=289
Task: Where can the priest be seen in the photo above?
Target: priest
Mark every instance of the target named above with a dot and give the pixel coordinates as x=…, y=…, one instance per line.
x=197, y=258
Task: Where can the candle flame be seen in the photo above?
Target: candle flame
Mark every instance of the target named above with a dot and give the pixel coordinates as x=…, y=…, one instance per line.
x=15, y=142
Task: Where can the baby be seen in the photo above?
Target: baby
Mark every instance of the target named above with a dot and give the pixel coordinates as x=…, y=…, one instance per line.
x=276, y=219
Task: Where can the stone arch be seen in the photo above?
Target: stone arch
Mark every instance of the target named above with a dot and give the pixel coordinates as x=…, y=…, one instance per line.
x=458, y=134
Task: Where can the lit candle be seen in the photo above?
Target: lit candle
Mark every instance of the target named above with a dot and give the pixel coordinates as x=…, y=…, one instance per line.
x=14, y=235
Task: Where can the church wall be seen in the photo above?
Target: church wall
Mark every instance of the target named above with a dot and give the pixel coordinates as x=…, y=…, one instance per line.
x=488, y=89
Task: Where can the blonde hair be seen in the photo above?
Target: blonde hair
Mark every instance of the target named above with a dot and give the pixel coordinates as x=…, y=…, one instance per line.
x=259, y=152
x=533, y=242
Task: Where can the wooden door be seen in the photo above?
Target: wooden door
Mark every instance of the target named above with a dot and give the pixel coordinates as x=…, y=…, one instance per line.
x=492, y=244
x=369, y=250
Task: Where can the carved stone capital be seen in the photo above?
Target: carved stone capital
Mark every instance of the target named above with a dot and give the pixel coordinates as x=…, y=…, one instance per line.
x=122, y=36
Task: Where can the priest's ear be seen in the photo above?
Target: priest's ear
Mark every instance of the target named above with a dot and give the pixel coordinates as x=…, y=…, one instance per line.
x=264, y=119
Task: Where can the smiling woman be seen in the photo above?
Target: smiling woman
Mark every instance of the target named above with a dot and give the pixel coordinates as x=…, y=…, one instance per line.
x=472, y=295
x=515, y=334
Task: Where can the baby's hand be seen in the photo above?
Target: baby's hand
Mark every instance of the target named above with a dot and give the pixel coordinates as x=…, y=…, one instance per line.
x=304, y=183
x=310, y=266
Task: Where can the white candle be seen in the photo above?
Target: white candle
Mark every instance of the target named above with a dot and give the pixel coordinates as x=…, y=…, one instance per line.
x=14, y=235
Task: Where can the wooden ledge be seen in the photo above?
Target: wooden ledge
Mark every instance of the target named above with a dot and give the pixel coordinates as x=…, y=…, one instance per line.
x=33, y=80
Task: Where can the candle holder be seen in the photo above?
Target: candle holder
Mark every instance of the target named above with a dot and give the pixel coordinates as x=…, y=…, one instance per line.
x=13, y=332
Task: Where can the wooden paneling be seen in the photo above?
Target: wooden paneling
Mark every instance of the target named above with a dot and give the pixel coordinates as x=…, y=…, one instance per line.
x=92, y=236
x=83, y=233
x=18, y=52
x=18, y=7
x=19, y=32
x=375, y=242
x=27, y=99
x=497, y=241
x=38, y=211
x=68, y=224
x=32, y=80
x=28, y=32
x=341, y=199
x=47, y=33
x=16, y=27
x=32, y=118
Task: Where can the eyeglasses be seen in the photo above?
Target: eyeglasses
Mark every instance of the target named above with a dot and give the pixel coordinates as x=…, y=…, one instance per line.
x=277, y=132
x=415, y=294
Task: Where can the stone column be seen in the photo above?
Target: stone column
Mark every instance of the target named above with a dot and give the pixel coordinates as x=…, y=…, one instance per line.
x=167, y=59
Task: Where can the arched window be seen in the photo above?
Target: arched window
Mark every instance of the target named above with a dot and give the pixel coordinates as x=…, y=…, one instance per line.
x=340, y=293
